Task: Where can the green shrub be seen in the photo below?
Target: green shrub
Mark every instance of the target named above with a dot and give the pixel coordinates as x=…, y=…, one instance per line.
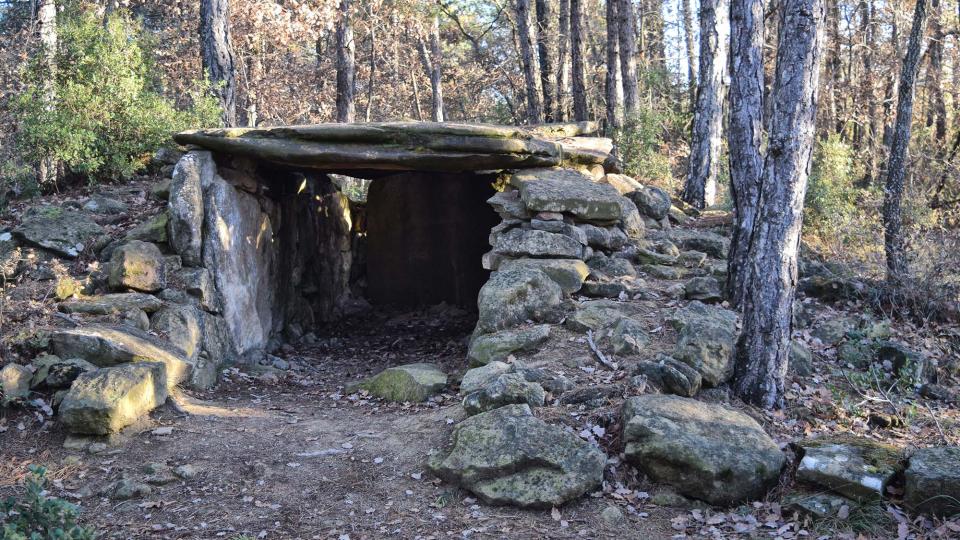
x=640, y=144
x=37, y=516
x=831, y=200
x=106, y=117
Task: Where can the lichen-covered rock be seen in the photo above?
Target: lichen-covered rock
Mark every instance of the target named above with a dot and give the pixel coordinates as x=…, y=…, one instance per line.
x=607, y=238
x=106, y=346
x=857, y=469
x=101, y=204
x=568, y=273
x=514, y=295
x=535, y=243
x=186, y=205
x=832, y=331
x=559, y=226
x=508, y=205
x=105, y=401
x=508, y=456
x=476, y=378
x=153, y=230
x=627, y=337
x=596, y=314
x=181, y=326
x=15, y=382
x=801, y=359
x=499, y=345
x=139, y=266
x=704, y=289
x=198, y=283
x=506, y=389
x=411, y=382
x=660, y=271
x=651, y=201
x=50, y=372
x=605, y=267
x=712, y=244
x=932, y=481
x=63, y=231
x=707, y=452
x=707, y=336
x=107, y=304
x=568, y=191
x=671, y=376
x=692, y=259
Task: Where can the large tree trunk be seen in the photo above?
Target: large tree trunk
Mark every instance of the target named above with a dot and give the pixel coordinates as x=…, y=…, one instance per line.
x=218, y=55
x=897, y=163
x=580, y=113
x=627, y=27
x=701, y=185
x=47, y=28
x=346, y=65
x=763, y=349
x=432, y=61
x=614, y=106
x=744, y=135
x=563, y=62
x=546, y=46
x=685, y=11
x=526, y=31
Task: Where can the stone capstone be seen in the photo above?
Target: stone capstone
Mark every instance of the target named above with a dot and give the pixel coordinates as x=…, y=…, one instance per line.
x=514, y=295
x=505, y=389
x=706, y=452
x=567, y=191
x=63, y=231
x=139, y=266
x=568, y=273
x=508, y=456
x=932, y=481
x=706, y=339
x=105, y=401
x=186, y=205
x=499, y=345
x=411, y=382
x=107, y=304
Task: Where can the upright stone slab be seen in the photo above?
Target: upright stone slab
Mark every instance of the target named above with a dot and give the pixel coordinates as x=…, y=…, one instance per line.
x=105, y=401
x=186, y=205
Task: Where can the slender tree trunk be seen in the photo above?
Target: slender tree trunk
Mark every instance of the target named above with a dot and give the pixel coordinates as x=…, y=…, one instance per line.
x=763, y=349
x=432, y=61
x=546, y=46
x=416, y=96
x=831, y=120
x=897, y=163
x=563, y=62
x=937, y=107
x=346, y=65
x=744, y=135
x=580, y=112
x=531, y=63
x=373, y=65
x=867, y=96
x=685, y=12
x=47, y=28
x=627, y=27
x=701, y=184
x=614, y=106
x=218, y=55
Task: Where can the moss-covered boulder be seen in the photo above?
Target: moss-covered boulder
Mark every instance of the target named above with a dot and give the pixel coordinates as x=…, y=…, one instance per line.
x=508, y=456
x=499, y=345
x=855, y=468
x=515, y=295
x=411, y=382
x=505, y=389
x=139, y=266
x=14, y=382
x=932, y=481
x=707, y=452
x=707, y=335
x=105, y=401
x=63, y=231
x=569, y=274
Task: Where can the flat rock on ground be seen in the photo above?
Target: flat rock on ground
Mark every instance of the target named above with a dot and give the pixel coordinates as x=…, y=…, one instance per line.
x=63, y=231
x=411, y=382
x=859, y=469
x=107, y=400
x=499, y=345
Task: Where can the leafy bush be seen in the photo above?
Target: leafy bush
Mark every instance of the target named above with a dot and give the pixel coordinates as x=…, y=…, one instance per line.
x=640, y=144
x=37, y=516
x=106, y=116
x=831, y=195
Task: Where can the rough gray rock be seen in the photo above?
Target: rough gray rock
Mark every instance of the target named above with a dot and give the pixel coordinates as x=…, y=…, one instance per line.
x=139, y=266
x=506, y=389
x=50, y=372
x=704, y=289
x=107, y=304
x=512, y=296
x=499, y=345
x=411, y=382
x=932, y=481
x=708, y=242
x=63, y=231
x=101, y=204
x=651, y=201
x=816, y=505
x=15, y=381
x=627, y=337
x=632, y=222
x=707, y=336
x=509, y=205
x=607, y=238
x=107, y=400
x=605, y=267
x=181, y=326
x=707, y=452
x=567, y=191
x=596, y=315
x=801, y=359
x=106, y=346
x=671, y=376
x=534, y=243
x=858, y=470
x=186, y=205
x=560, y=227
x=476, y=378
x=568, y=273
x=153, y=230
x=507, y=456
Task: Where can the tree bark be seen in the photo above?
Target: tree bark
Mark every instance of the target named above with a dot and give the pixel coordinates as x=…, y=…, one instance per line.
x=614, y=106
x=546, y=46
x=897, y=163
x=563, y=62
x=744, y=135
x=685, y=11
x=936, y=107
x=373, y=65
x=432, y=61
x=763, y=348
x=47, y=28
x=217, y=55
x=580, y=113
x=531, y=63
x=346, y=65
x=627, y=28
x=701, y=185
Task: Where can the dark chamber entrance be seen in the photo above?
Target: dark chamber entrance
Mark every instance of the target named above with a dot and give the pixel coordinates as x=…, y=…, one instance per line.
x=425, y=236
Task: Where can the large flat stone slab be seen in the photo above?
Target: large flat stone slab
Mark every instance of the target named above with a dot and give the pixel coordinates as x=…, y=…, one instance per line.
x=63, y=231
x=106, y=304
x=858, y=469
x=565, y=190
